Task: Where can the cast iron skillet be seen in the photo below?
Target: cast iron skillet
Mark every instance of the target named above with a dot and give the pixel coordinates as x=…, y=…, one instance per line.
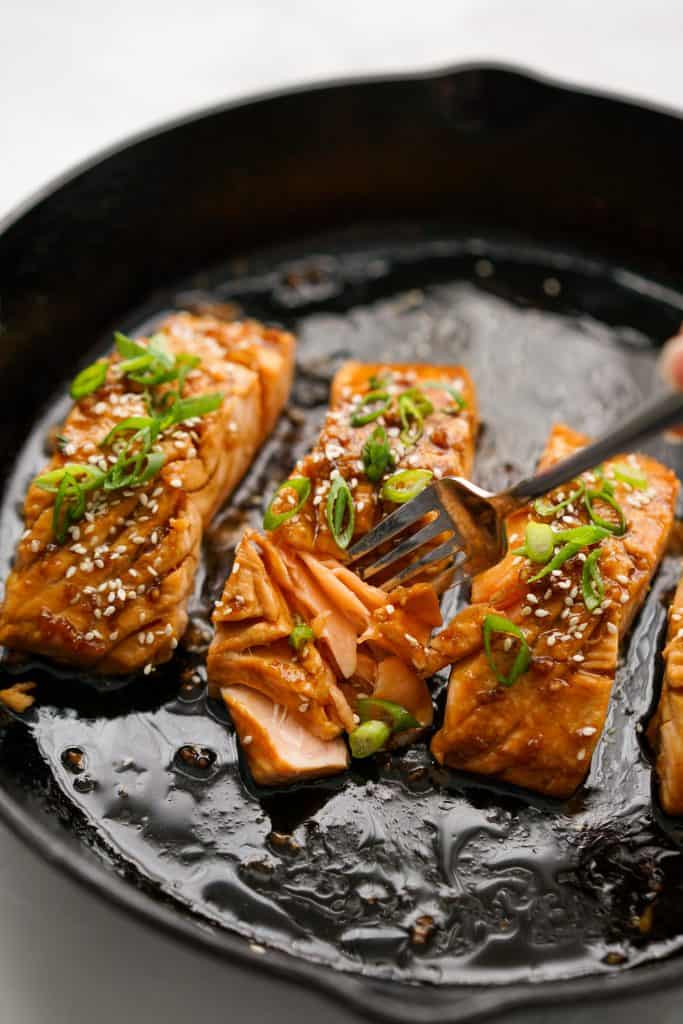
x=562, y=207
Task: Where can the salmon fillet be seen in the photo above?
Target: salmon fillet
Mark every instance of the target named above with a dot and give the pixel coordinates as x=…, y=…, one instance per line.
x=666, y=728
x=113, y=597
x=540, y=732
x=294, y=575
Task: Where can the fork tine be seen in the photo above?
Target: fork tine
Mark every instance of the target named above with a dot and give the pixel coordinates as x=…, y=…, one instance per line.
x=441, y=524
x=451, y=548
x=396, y=521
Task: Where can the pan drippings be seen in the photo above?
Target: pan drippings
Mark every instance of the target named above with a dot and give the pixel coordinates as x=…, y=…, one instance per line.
x=400, y=868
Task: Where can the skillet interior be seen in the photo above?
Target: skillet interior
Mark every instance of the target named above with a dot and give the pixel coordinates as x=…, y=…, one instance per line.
x=515, y=888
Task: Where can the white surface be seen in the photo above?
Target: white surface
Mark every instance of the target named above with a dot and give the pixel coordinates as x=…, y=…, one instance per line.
x=76, y=75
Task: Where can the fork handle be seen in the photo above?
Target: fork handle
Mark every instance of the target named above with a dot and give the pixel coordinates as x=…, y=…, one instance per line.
x=650, y=419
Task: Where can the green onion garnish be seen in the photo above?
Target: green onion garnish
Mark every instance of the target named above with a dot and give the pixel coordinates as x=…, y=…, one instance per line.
x=584, y=536
x=301, y=485
x=133, y=470
x=440, y=385
x=619, y=528
x=145, y=428
x=377, y=382
x=563, y=555
x=405, y=485
x=499, y=625
x=88, y=380
x=629, y=475
x=191, y=408
x=150, y=365
x=413, y=406
x=592, y=586
x=542, y=507
x=69, y=506
x=605, y=484
x=370, y=407
x=368, y=738
x=376, y=455
x=85, y=476
x=341, y=512
x=539, y=542
x=301, y=635
x=419, y=400
x=396, y=716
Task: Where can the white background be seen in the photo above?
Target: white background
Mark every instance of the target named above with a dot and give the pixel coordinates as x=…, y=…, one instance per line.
x=76, y=75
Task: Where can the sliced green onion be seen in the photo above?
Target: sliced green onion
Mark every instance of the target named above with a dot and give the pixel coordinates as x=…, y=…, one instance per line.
x=405, y=485
x=133, y=470
x=563, y=555
x=618, y=529
x=368, y=738
x=143, y=426
x=396, y=716
x=69, y=507
x=539, y=542
x=629, y=475
x=301, y=635
x=370, y=407
x=544, y=508
x=412, y=420
x=419, y=400
x=605, y=484
x=301, y=485
x=378, y=382
x=496, y=625
x=191, y=408
x=341, y=512
x=592, y=586
x=87, y=477
x=88, y=380
x=440, y=385
x=584, y=536
x=376, y=455
x=128, y=348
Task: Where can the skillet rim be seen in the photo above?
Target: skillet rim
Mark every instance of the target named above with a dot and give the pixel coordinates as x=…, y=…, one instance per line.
x=369, y=998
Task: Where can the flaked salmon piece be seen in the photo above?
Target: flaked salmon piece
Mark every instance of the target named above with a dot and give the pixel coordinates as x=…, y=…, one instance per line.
x=666, y=728
x=277, y=745
x=540, y=732
x=113, y=597
x=295, y=574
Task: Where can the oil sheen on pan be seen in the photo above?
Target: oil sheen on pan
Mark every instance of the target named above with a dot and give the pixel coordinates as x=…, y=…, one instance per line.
x=398, y=868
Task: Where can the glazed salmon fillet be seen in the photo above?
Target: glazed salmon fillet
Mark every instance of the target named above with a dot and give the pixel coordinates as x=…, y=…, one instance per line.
x=540, y=730
x=292, y=651
x=111, y=596
x=666, y=728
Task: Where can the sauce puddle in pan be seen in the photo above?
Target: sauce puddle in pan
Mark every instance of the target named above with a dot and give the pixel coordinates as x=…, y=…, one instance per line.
x=399, y=868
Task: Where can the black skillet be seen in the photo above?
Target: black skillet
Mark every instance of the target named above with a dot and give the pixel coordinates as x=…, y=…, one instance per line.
x=481, y=215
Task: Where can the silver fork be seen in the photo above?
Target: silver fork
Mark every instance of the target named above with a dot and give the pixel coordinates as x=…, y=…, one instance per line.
x=471, y=519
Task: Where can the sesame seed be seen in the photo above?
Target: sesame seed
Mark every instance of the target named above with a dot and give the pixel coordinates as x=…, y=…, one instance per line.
x=247, y=740
x=176, y=482
x=71, y=571
x=578, y=657
x=541, y=613
x=532, y=599
x=526, y=610
x=611, y=628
